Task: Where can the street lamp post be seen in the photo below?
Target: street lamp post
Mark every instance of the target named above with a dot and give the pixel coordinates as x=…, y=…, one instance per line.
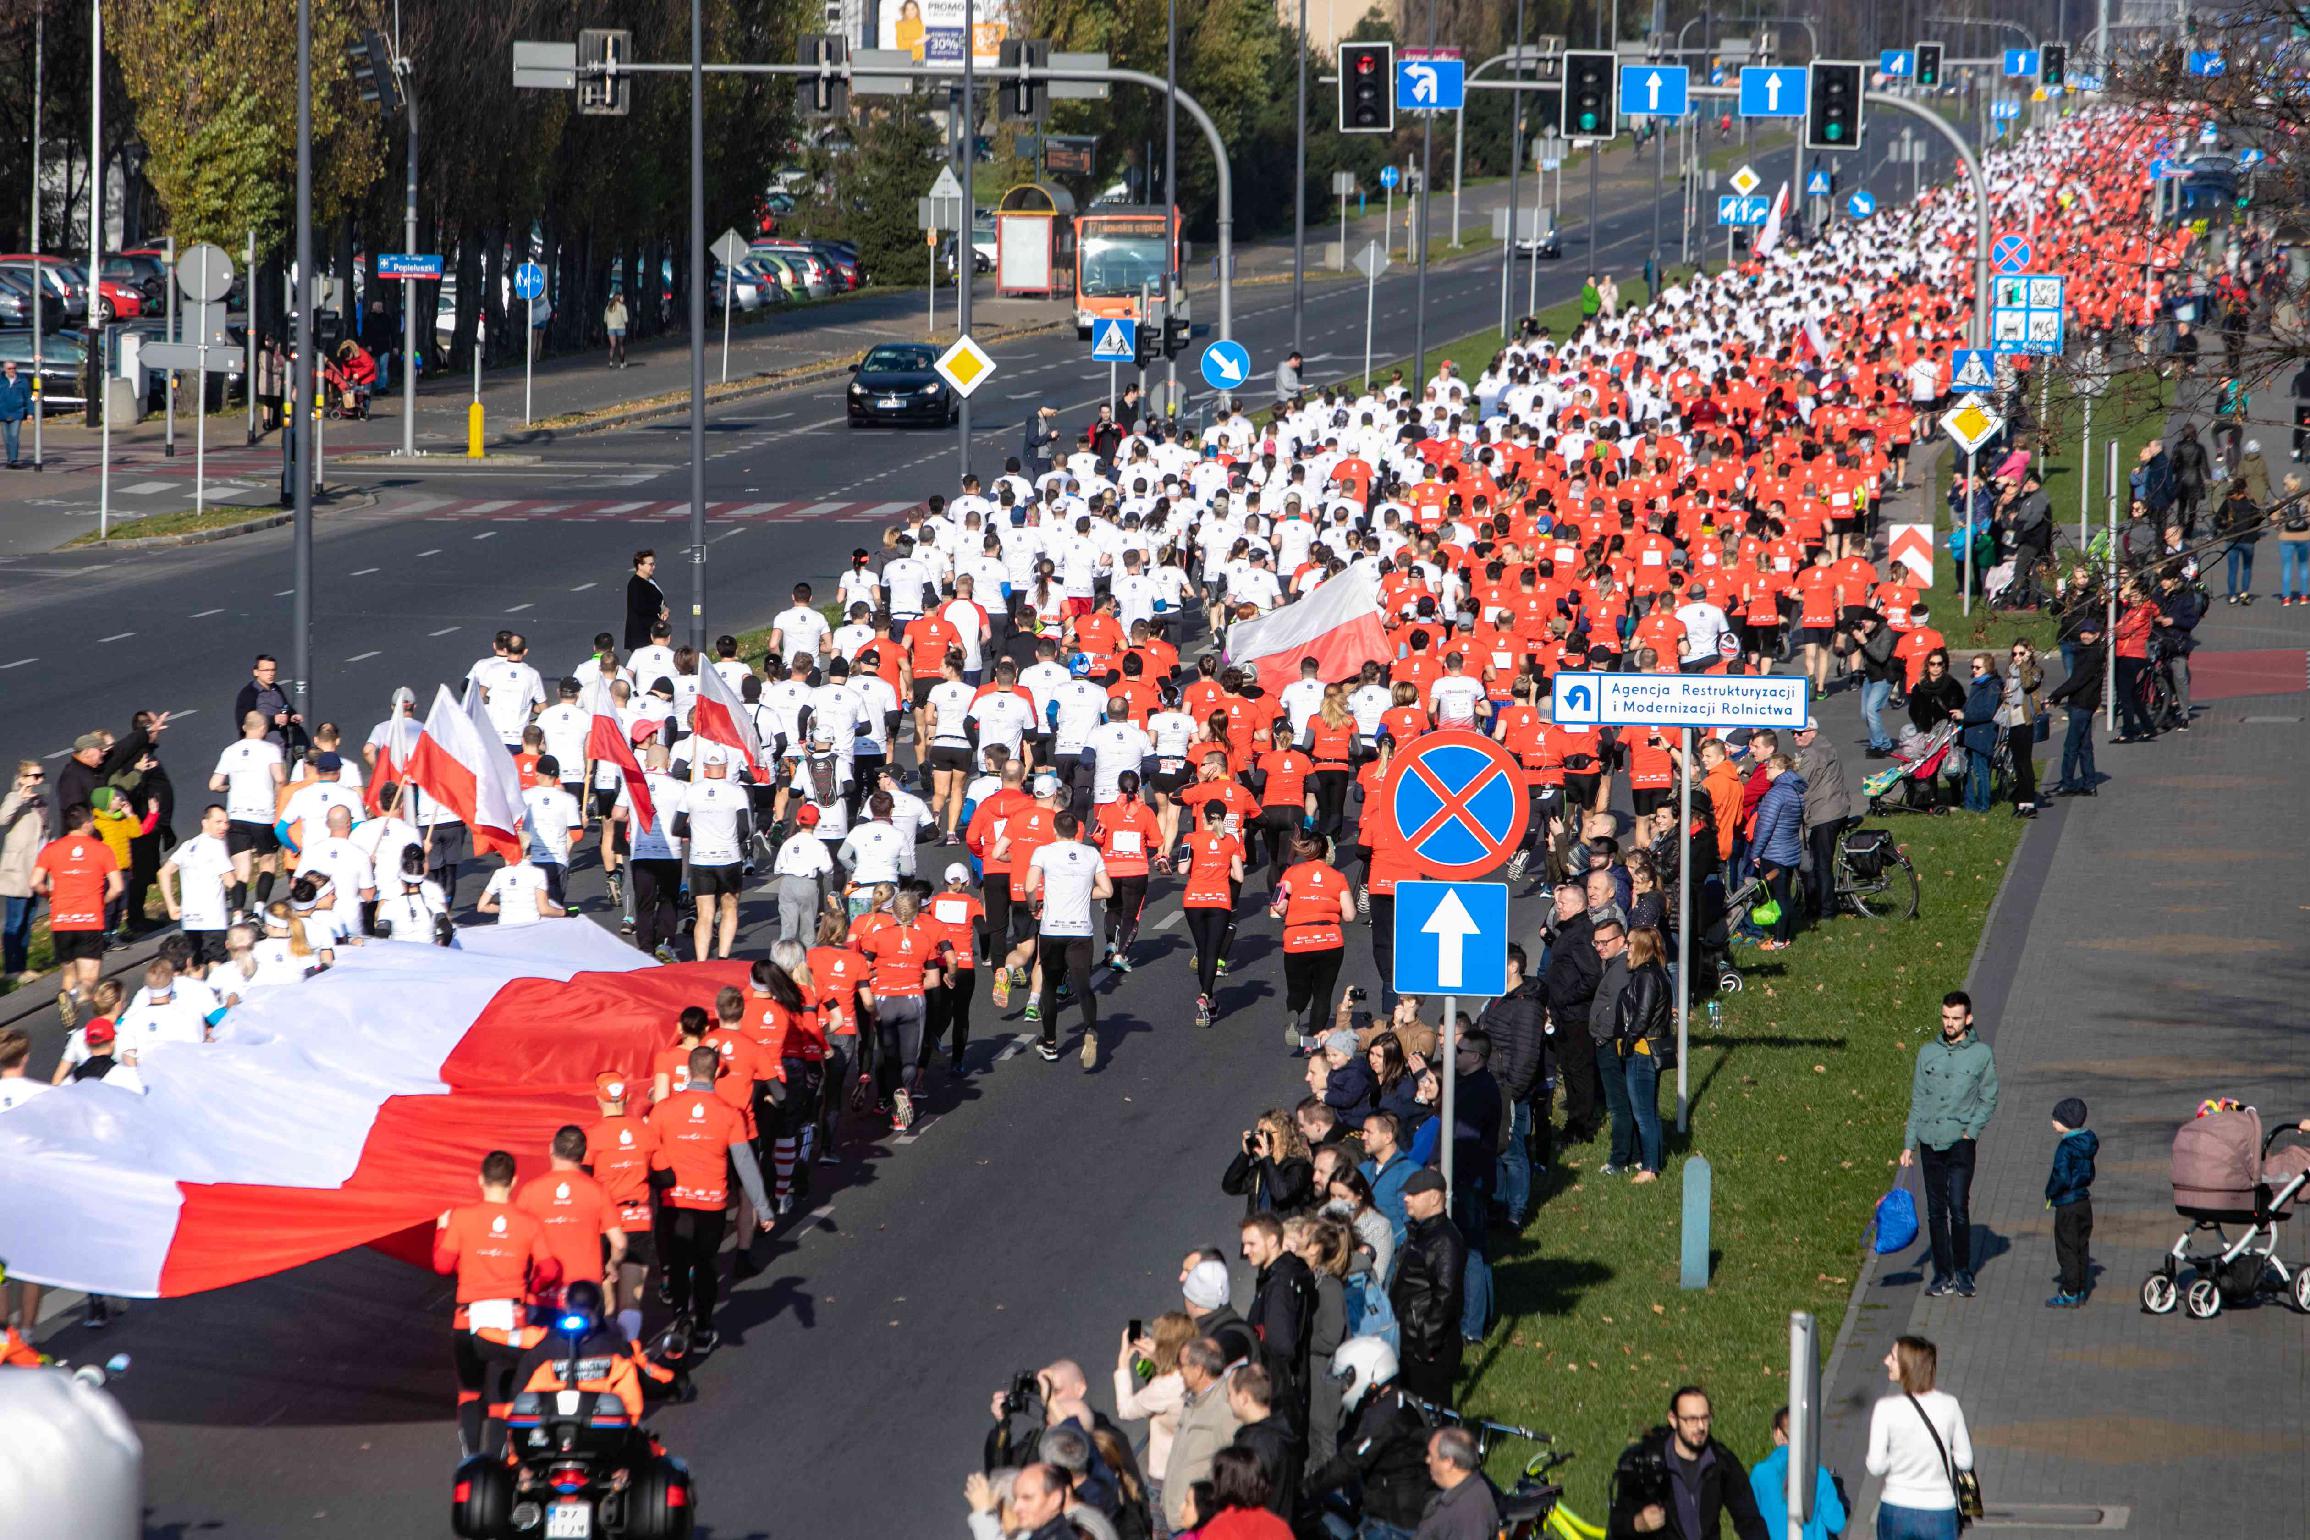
x=96, y=339
x=698, y=325
x=39, y=385
x=1515, y=170
x=1299, y=198
x=1427, y=181
x=301, y=401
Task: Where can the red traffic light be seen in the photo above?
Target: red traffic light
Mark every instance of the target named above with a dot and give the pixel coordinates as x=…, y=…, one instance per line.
x=1366, y=63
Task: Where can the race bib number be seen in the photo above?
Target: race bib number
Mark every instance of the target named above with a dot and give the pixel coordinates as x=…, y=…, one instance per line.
x=1128, y=843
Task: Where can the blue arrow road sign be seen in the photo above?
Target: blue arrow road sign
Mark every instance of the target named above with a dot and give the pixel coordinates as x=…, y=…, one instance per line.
x=1655, y=90
x=1776, y=92
x=2020, y=63
x=2005, y=111
x=397, y=265
x=2247, y=158
x=1431, y=85
x=1389, y=176
x=529, y=281
x=1739, y=212
x=2010, y=253
x=2206, y=62
x=1972, y=369
x=1861, y=205
x=1896, y=63
x=1115, y=341
x=1226, y=365
x=1451, y=938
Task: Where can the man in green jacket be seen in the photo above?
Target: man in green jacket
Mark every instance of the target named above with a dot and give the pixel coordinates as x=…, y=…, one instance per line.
x=1952, y=1097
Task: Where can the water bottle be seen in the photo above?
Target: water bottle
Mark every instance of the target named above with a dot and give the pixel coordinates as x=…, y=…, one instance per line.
x=1715, y=1015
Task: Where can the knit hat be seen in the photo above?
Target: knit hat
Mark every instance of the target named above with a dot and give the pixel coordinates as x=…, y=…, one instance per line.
x=2069, y=1112
x=1206, y=1285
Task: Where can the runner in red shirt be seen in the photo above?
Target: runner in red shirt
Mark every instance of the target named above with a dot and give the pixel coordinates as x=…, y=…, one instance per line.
x=700, y=1139
x=905, y=958
x=1316, y=905
x=502, y=1263
x=954, y=915
x=577, y=1212
x=784, y=1026
x=1284, y=804
x=618, y=1150
x=80, y=879
x=1214, y=882
x=1127, y=836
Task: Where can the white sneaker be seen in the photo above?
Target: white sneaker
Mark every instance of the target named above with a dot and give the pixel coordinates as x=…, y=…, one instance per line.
x=1090, y=1049
x=901, y=1110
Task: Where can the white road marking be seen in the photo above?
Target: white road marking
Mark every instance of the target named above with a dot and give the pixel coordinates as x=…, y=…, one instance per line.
x=363, y=657
x=444, y=631
x=117, y=636
x=365, y=571
x=517, y=609
x=490, y=507
x=582, y=587
x=487, y=534
x=1171, y=919
x=436, y=551
x=621, y=508
x=144, y=489
x=19, y=663
x=205, y=614
x=749, y=510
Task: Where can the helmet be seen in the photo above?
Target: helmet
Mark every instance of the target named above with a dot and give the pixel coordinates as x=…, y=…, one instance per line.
x=581, y=1308
x=1361, y=1365
x=1079, y=665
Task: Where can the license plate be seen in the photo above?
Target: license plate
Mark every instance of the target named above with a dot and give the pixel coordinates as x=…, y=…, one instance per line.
x=891, y=401
x=569, y=1521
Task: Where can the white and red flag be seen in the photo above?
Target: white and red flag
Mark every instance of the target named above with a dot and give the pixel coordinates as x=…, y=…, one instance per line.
x=719, y=716
x=1339, y=623
x=606, y=740
x=461, y=762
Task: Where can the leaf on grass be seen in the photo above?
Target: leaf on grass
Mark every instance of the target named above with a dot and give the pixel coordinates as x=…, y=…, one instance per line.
x=1820, y=1069
x=1660, y=1310
x=1830, y=1278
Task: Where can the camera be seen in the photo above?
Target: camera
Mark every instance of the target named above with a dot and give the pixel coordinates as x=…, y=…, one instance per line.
x=1358, y=994
x=1026, y=1389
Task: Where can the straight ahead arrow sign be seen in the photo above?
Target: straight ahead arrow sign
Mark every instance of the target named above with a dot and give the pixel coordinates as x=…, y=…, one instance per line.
x=1773, y=92
x=1451, y=925
x=1652, y=102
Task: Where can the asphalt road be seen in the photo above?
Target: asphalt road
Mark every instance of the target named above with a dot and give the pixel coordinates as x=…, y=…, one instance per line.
x=1032, y=1212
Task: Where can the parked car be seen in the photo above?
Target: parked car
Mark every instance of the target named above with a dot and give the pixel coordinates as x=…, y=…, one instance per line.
x=895, y=383
x=144, y=271
x=1547, y=245
x=745, y=288
x=771, y=276
x=817, y=280
x=115, y=301
x=63, y=287
x=62, y=357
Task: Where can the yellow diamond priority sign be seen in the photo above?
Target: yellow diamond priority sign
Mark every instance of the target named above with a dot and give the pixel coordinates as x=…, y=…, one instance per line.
x=965, y=366
x=1745, y=181
x=1970, y=425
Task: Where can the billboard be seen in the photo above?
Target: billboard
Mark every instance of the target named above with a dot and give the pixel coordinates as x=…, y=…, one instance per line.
x=932, y=30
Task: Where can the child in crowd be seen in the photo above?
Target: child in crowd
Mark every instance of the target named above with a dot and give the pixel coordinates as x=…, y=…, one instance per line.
x=2068, y=1192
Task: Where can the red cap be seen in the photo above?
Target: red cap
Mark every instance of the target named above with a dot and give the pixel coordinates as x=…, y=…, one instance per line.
x=644, y=730
x=808, y=817
x=610, y=1086
x=99, y=1032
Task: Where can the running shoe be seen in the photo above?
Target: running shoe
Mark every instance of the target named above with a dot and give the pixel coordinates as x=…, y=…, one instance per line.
x=782, y=1205
x=704, y=1340
x=902, y=1110
x=1000, y=990
x=1516, y=865
x=1090, y=1049
x=1034, y=1011
x=1049, y=1051
x=1121, y=962
x=1363, y=902
x=1223, y=967
x=1203, y=1012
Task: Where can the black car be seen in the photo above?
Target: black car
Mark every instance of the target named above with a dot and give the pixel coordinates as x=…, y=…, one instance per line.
x=896, y=383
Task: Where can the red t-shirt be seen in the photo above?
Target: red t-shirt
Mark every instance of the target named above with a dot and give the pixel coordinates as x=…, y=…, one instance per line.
x=76, y=866
x=576, y=1213
x=1311, y=893
x=496, y=1251
x=1210, y=859
x=695, y=1130
x=899, y=954
x=619, y=1149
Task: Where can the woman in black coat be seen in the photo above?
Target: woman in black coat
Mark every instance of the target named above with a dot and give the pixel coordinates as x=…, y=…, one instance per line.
x=1271, y=1171
x=1643, y=1030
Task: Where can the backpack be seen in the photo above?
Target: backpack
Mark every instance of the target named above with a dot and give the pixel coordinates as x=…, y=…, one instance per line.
x=1895, y=1222
x=1368, y=1310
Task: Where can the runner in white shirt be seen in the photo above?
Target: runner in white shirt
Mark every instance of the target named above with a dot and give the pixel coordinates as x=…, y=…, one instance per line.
x=719, y=825
x=1069, y=877
x=798, y=876
x=1303, y=697
x=512, y=693
x=162, y=1016
x=196, y=883
x=250, y=774
x=307, y=810
x=1457, y=697
x=410, y=904
x=1115, y=745
x=871, y=853
x=1003, y=716
x=566, y=725
x=336, y=860
x=655, y=852
x=517, y=895
x=968, y=617
x=947, y=756
x=551, y=824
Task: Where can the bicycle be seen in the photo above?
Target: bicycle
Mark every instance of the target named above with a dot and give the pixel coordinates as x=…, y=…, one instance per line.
x=1874, y=879
x=1534, y=1508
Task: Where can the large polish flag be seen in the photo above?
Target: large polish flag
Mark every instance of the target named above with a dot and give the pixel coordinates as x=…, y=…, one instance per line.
x=606, y=740
x=461, y=762
x=719, y=716
x=346, y=1110
x=1338, y=623
x=1770, y=236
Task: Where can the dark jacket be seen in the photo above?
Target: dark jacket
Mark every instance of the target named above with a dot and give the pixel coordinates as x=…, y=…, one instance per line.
x=1267, y=1186
x=2190, y=463
x=1386, y=1452
x=1720, y=1487
x=1233, y=1334
x=15, y=398
x=1604, y=1006
x=1983, y=699
x=1645, y=1014
x=2082, y=689
x=1477, y=1113
x=1517, y=1022
x=1036, y=451
x=1282, y=1452
x=1779, y=839
x=76, y=781
x=269, y=701
x=1470, y=1511
x=1352, y=1091
x=1573, y=972
x=1877, y=664
x=2182, y=609
x=1430, y=1270
x=2072, y=1174
x=1283, y=1316
x=1327, y=1330
x=1931, y=700
x=643, y=601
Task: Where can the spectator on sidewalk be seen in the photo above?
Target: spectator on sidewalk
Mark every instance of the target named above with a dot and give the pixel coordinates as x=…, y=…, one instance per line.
x=2069, y=1193
x=1918, y=1443
x=1428, y=1292
x=1952, y=1097
x=1041, y=442
x=1828, y=807
x=2017, y=720
x=1874, y=642
x=1706, y=1482
x=2079, y=696
x=614, y=322
x=27, y=822
x=1287, y=381
x=2238, y=524
x=2292, y=517
x=1516, y=1022
x=1769, y=1482
x=1465, y=1507
x=15, y=406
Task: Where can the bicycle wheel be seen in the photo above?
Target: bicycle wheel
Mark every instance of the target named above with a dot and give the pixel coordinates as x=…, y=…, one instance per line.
x=1891, y=895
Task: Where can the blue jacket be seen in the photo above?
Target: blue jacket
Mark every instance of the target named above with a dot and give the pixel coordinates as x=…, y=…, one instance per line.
x=1984, y=697
x=2072, y=1175
x=15, y=398
x=1769, y=1480
x=1780, y=836
x=1388, y=1188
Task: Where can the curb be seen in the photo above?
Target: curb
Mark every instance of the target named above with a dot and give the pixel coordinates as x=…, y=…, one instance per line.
x=343, y=503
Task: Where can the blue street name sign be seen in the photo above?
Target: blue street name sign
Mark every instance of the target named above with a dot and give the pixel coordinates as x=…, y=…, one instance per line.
x=1451, y=938
x=1776, y=91
x=397, y=265
x=1680, y=700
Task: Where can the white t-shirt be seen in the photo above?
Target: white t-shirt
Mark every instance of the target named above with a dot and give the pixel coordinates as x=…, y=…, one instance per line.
x=175, y=1020
x=1903, y=1450
x=307, y=810
x=802, y=630
x=803, y=855
x=1004, y=717
x=248, y=768
x=16, y=1090
x=838, y=710
x=655, y=841
x=715, y=808
x=566, y=728
x=872, y=852
x=1704, y=628
x=1115, y=747
x=411, y=908
x=554, y=815
x=517, y=889
x=204, y=870
x=950, y=701
x=509, y=690
x=1069, y=868
x=1454, y=698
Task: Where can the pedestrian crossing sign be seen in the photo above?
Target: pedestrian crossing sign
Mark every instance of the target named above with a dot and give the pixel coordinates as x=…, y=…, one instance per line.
x=1972, y=369
x=1115, y=341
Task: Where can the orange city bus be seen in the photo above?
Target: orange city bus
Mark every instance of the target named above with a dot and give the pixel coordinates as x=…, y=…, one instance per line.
x=1118, y=249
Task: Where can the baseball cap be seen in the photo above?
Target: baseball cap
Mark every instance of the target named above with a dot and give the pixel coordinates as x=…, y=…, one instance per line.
x=1206, y=1285
x=957, y=872
x=100, y=1031
x=808, y=817
x=87, y=741
x=643, y=731
x=1046, y=785
x=328, y=760
x=1423, y=1180
x=610, y=1086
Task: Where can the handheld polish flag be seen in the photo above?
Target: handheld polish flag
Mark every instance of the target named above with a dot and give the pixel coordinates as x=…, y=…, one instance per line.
x=606, y=740
x=1338, y=623
x=460, y=760
x=719, y=716
x=398, y=743
x=1770, y=235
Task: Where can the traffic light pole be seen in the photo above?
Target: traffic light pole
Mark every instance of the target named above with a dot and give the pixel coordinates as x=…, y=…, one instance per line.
x=1426, y=192
x=698, y=325
x=1299, y=197
x=970, y=167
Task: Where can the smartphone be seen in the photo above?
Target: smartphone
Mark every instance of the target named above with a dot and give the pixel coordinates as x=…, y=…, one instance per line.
x=1138, y=1329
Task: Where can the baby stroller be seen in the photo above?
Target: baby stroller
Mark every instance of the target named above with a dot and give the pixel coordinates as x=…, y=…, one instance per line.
x=2224, y=1173
x=1907, y=784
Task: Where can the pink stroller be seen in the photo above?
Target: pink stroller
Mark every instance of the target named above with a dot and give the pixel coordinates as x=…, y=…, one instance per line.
x=2225, y=1172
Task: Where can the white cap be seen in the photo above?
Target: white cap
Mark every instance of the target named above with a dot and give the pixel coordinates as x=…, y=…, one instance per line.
x=957, y=872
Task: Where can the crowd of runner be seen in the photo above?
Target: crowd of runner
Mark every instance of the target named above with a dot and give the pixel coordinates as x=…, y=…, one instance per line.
x=1028, y=718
